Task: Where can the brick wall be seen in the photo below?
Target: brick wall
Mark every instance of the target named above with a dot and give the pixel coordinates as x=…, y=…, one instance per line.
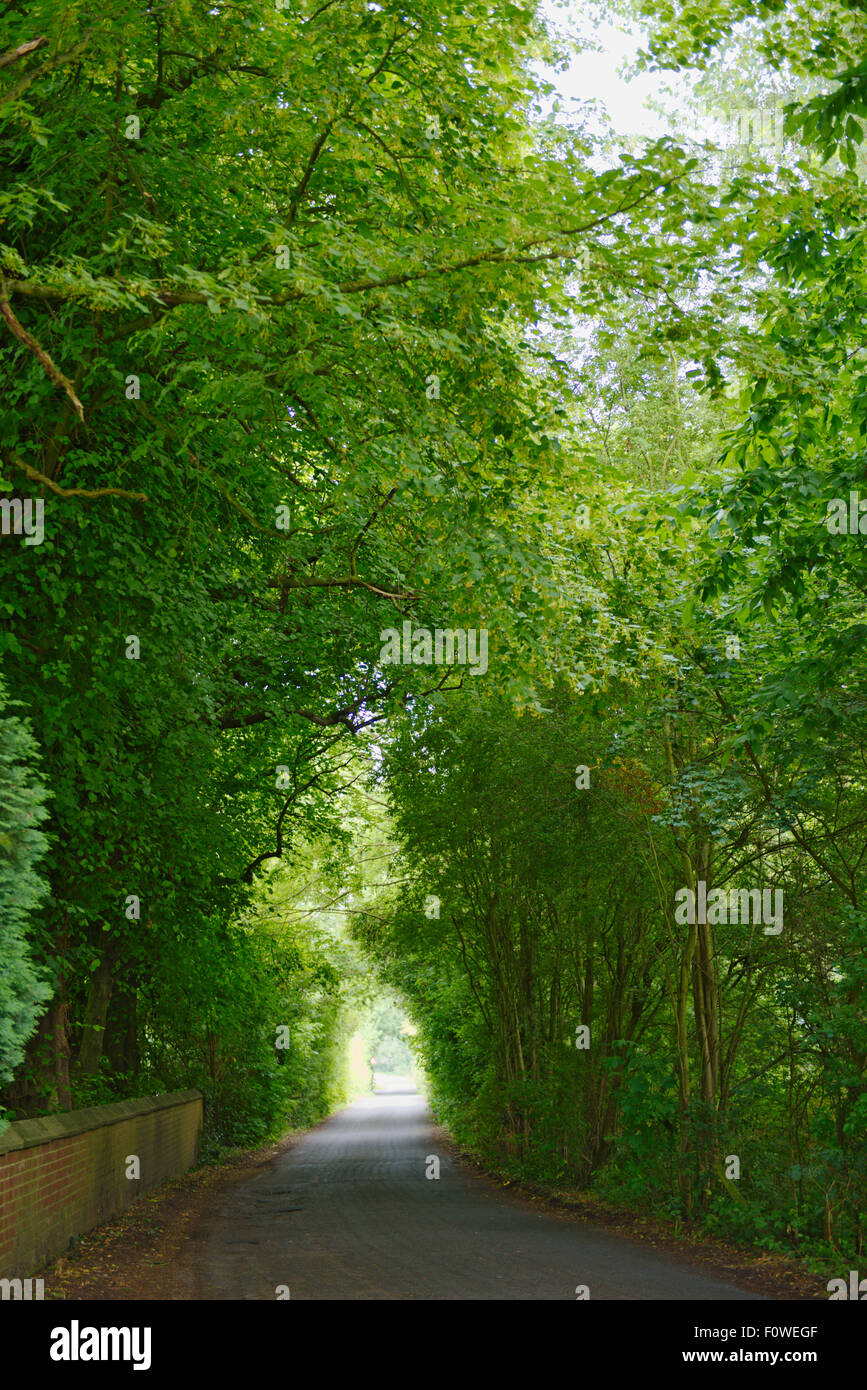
x=63, y=1174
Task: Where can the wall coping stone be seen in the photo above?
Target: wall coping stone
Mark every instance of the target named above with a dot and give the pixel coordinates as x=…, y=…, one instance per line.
x=26, y=1134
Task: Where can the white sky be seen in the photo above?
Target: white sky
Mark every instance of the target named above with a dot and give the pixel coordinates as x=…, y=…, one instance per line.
x=595, y=77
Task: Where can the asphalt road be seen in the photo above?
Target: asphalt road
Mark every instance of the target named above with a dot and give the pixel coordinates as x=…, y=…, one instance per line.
x=349, y=1213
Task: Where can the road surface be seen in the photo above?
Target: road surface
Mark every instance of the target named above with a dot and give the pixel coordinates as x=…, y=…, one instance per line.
x=349, y=1213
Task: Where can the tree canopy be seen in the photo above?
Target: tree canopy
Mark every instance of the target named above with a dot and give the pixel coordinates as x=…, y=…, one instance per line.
x=330, y=342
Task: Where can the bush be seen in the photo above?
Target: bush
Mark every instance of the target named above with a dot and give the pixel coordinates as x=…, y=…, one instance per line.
x=23, y=988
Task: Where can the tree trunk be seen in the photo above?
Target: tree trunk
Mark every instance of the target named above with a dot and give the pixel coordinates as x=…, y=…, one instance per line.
x=41, y=1085
x=93, y=1031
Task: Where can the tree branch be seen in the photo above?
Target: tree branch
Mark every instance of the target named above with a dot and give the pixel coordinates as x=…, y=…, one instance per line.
x=170, y=299
x=34, y=346
x=21, y=87
x=38, y=477
x=22, y=51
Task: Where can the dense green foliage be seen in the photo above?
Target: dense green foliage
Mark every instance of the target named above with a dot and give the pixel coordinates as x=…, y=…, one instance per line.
x=22, y=845
x=267, y=285
x=555, y=914
x=320, y=320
